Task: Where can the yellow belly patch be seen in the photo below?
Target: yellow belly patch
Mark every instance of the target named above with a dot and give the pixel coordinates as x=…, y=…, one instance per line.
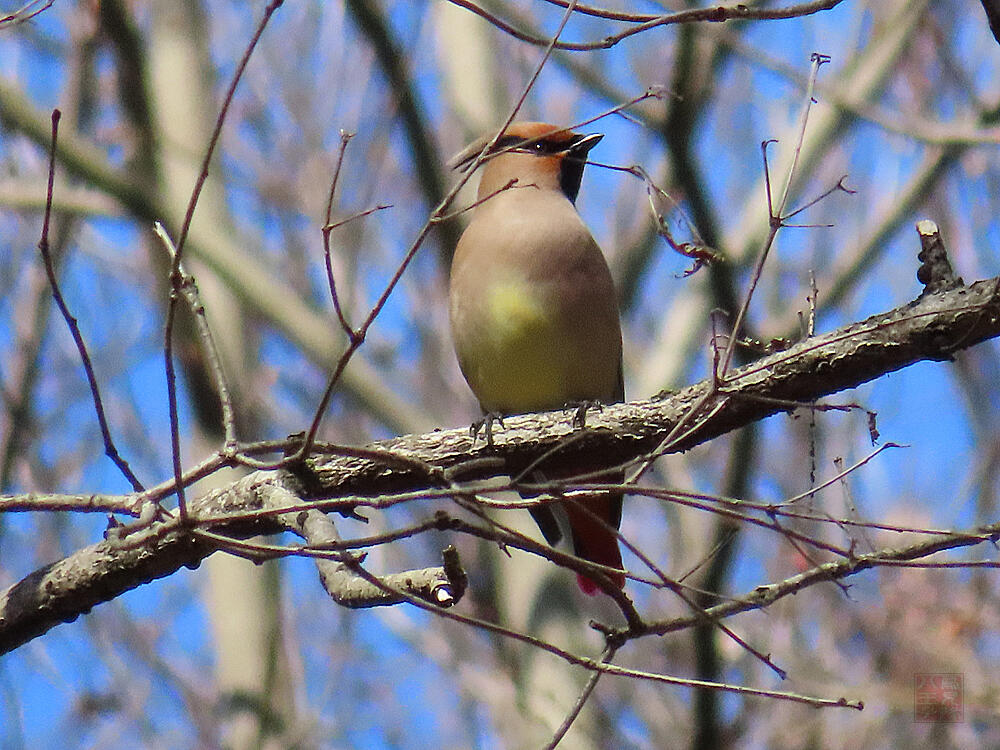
x=521, y=353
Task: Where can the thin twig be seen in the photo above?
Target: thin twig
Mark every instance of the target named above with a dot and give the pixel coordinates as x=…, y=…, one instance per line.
x=175, y=279
x=25, y=13
x=591, y=664
x=581, y=701
x=775, y=211
x=345, y=138
x=714, y=14
x=355, y=216
x=189, y=289
x=43, y=247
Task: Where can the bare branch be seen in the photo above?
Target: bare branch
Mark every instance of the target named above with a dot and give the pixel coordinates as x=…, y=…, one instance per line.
x=712, y=14
x=189, y=289
x=932, y=327
x=175, y=278
x=25, y=13
x=43, y=247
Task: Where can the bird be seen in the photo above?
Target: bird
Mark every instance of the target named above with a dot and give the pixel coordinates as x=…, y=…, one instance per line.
x=533, y=310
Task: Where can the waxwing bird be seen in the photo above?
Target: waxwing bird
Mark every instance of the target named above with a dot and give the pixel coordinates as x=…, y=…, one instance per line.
x=534, y=315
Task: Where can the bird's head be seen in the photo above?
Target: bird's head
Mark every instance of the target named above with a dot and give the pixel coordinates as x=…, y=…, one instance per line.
x=536, y=153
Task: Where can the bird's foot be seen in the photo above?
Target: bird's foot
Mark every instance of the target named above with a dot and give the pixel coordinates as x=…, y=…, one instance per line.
x=486, y=425
x=580, y=415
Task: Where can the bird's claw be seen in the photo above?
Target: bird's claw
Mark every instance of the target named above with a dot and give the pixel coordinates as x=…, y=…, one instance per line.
x=486, y=425
x=580, y=413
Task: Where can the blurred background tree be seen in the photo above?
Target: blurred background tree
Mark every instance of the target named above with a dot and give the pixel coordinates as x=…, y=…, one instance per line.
x=257, y=655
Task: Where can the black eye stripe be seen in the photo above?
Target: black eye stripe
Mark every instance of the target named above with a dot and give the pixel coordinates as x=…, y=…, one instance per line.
x=548, y=147
x=544, y=146
x=508, y=141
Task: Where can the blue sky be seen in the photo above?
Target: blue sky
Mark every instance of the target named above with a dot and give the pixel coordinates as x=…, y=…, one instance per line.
x=112, y=290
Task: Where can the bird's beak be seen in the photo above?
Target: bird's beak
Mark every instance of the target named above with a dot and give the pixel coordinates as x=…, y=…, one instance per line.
x=581, y=146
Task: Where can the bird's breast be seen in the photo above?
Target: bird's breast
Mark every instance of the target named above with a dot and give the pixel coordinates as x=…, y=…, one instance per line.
x=534, y=319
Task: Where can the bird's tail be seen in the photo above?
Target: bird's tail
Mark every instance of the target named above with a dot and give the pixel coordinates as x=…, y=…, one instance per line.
x=594, y=540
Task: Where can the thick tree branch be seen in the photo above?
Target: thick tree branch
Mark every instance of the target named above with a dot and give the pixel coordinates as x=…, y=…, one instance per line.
x=62, y=591
x=932, y=327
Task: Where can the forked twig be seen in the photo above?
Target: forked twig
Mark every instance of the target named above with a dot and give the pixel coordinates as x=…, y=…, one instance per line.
x=25, y=12
x=710, y=14
x=776, y=213
x=175, y=276
x=189, y=290
x=345, y=138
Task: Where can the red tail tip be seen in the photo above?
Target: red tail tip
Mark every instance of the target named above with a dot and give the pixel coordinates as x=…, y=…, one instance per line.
x=590, y=588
